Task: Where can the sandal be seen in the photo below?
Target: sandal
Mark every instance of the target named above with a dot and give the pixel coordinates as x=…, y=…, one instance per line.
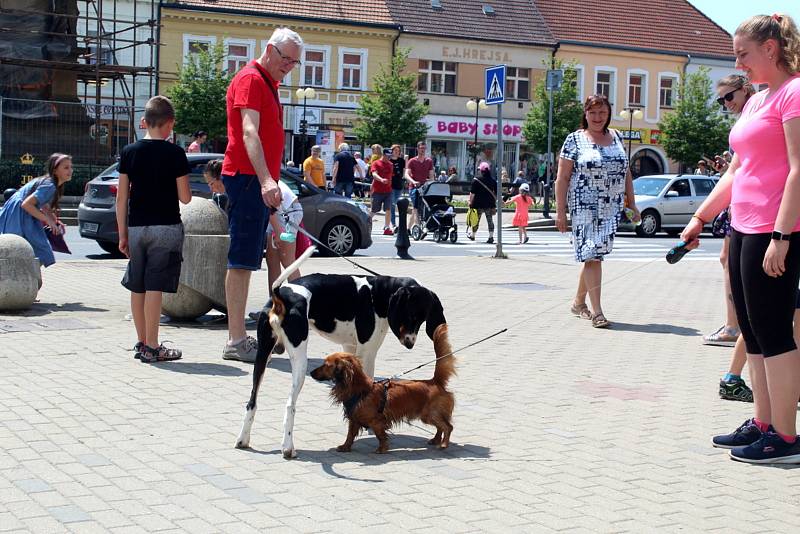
x=599, y=321
x=159, y=354
x=581, y=311
x=137, y=349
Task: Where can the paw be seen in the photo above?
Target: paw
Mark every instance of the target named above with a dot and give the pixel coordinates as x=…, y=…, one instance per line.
x=243, y=444
x=434, y=441
x=444, y=444
x=381, y=450
x=343, y=448
x=288, y=454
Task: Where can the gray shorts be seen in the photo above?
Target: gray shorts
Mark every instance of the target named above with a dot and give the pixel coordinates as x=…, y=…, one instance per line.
x=156, y=255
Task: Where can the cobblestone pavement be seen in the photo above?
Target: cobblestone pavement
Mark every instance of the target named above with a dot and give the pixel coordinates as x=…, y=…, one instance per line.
x=557, y=427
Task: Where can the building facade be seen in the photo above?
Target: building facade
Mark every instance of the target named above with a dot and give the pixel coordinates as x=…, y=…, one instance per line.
x=339, y=60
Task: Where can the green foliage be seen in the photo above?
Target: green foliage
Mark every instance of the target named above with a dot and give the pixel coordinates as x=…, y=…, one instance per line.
x=392, y=114
x=199, y=94
x=696, y=127
x=567, y=111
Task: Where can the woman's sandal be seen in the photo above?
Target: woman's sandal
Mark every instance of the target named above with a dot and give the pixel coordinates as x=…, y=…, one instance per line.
x=599, y=321
x=159, y=354
x=581, y=311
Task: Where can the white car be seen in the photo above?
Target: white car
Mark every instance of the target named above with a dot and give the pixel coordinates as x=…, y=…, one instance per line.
x=668, y=201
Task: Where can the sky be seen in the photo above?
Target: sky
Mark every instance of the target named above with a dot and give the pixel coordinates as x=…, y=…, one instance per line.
x=729, y=13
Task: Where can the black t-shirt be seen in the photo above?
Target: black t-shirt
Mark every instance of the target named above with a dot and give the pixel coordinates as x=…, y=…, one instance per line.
x=398, y=173
x=347, y=163
x=483, y=196
x=152, y=166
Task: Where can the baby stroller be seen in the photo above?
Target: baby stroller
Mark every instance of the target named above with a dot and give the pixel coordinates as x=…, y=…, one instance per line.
x=436, y=214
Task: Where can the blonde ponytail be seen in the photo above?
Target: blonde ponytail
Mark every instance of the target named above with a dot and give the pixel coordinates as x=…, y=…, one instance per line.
x=783, y=29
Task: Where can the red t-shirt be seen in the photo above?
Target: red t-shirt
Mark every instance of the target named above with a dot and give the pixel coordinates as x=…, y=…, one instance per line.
x=420, y=171
x=384, y=169
x=249, y=90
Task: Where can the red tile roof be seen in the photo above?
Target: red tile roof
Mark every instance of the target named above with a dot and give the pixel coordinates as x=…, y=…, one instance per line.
x=358, y=11
x=515, y=21
x=669, y=25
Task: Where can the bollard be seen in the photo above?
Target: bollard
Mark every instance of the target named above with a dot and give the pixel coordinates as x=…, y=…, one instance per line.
x=401, y=242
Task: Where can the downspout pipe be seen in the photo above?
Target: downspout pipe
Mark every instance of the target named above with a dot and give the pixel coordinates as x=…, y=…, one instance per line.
x=399, y=29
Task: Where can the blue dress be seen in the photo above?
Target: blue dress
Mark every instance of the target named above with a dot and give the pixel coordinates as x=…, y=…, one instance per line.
x=596, y=193
x=15, y=220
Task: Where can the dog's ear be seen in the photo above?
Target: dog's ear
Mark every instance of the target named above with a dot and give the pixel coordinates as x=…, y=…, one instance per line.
x=398, y=306
x=435, y=316
x=343, y=371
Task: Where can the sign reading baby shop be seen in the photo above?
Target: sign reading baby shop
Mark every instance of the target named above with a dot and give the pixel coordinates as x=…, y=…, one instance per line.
x=450, y=126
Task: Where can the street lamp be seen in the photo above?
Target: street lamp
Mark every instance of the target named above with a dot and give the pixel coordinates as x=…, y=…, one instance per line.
x=476, y=105
x=629, y=114
x=304, y=93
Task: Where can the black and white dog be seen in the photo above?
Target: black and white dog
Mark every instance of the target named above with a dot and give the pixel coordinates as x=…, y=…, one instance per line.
x=353, y=311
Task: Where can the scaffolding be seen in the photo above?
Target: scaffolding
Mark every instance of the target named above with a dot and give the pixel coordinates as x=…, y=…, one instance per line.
x=74, y=75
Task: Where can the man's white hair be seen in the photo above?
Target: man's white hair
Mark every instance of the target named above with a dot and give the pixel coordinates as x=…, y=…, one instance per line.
x=344, y=147
x=282, y=35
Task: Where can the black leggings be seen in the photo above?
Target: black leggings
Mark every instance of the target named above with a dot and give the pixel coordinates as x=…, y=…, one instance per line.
x=765, y=306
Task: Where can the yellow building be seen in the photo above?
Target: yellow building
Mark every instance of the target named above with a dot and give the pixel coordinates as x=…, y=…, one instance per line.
x=340, y=57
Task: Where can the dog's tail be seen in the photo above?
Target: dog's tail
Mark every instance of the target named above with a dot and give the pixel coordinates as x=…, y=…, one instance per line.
x=445, y=361
x=287, y=272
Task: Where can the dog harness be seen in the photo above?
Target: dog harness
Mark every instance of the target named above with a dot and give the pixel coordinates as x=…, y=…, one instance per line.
x=350, y=404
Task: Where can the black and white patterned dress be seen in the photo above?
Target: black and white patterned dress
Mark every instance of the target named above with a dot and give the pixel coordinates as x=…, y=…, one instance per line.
x=596, y=193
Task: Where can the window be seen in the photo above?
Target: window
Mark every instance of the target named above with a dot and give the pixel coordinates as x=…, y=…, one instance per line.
x=315, y=66
x=104, y=54
x=636, y=90
x=681, y=187
x=238, y=53
x=702, y=186
x=437, y=77
x=194, y=44
x=518, y=85
x=605, y=85
x=352, y=68
x=577, y=82
x=666, y=93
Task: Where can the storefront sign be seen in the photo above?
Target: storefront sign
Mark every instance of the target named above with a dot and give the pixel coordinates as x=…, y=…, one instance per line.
x=336, y=118
x=482, y=54
x=445, y=126
x=642, y=136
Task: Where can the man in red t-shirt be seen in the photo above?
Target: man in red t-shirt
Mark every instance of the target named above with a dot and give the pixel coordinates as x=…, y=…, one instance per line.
x=382, y=170
x=251, y=171
x=419, y=170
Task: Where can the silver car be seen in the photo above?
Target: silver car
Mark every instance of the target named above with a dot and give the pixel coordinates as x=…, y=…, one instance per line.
x=667, y=202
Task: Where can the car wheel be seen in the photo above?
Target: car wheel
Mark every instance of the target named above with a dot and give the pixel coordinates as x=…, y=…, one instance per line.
x=340, y=235
x=650, y=224
x=111, y=247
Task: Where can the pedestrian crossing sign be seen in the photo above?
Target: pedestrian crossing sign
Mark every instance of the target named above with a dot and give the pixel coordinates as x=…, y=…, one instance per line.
x=496, y=84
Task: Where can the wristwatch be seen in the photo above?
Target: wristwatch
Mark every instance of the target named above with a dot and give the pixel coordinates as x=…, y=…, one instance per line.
x=780, y=236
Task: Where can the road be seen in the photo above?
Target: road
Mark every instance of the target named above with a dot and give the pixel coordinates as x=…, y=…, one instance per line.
x=627, y=247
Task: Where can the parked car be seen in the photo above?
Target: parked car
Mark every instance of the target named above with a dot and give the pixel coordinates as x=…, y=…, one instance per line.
x=341, y=224
x=667, y=202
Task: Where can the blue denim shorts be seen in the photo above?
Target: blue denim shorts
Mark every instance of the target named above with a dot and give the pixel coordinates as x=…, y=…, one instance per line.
x=247, y=221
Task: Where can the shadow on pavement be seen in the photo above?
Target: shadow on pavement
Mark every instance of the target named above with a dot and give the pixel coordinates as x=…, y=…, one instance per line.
x=282, y=363
x=655, y=329
x=44, y=308
x=211, y=369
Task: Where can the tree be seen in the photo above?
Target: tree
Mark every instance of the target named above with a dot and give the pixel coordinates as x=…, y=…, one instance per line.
x=392, y=114
x=199, y=94
x=567, y=111
x=696, y=127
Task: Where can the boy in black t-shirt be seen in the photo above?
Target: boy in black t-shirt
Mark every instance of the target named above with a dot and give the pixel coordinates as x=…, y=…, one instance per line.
x=153, y=177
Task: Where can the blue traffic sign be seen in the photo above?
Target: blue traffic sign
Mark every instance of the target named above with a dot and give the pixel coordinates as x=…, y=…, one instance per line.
x=496, y=84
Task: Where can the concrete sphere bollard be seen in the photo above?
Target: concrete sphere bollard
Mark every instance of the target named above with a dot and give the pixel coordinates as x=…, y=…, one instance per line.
x=20, y=276
x=205, y=253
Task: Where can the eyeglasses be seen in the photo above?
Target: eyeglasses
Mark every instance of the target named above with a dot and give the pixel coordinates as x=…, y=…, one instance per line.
x=286, y=59
x=727, y=97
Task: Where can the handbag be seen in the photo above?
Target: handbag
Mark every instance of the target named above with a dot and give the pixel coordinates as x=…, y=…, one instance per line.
x=57, y=242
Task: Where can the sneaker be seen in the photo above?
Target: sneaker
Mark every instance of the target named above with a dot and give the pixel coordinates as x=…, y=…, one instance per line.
x=244, y=351
x=470, y=234
x=746, y=434
x=490, y=240
x=735, y=390
x=769, y=449
x=387, y=231
x=723, y=337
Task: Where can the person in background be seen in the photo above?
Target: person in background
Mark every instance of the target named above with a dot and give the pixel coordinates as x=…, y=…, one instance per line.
x=314, y=168
x=442, y=176
x=702, y=168
x=361, y=171
x=197, y=145
x=398, y=180
x=593, y=173
x=419, y=170
x=522, y=202
x=35, y=205
x=153, y=179
x=452, y=174
x=343, y=173
x=382, y=171
x=482, y=195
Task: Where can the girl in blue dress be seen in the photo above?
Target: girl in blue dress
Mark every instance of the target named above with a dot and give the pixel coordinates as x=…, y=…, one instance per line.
x=35, y=205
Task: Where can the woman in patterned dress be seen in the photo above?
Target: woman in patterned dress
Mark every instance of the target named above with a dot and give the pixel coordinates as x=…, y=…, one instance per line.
x=593, y=171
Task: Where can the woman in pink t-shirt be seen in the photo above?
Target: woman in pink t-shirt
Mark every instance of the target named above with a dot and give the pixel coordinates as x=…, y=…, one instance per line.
x=762, y=186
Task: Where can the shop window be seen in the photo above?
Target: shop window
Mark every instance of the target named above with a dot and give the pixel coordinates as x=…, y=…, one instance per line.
x=636, y=90
x=437, y=77
x=518, y=84
x=605, y=85
x=446, y=155
x=666, y=94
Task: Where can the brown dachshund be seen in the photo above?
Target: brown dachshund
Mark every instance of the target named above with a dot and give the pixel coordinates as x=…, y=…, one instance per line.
x=380, y=405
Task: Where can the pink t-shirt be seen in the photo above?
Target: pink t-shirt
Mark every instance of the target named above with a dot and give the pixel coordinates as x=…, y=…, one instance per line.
x=760, y=144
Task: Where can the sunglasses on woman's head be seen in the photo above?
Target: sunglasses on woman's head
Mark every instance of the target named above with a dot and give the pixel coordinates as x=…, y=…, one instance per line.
x=727, y=97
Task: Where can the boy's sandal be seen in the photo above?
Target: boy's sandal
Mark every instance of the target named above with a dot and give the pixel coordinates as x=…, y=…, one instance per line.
x=599, y=321
x=581, y=311
x=137, y=349
x=159, y=354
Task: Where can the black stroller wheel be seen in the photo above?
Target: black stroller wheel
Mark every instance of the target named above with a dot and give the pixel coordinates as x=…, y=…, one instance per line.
x=453, y=235
x=416, y=232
